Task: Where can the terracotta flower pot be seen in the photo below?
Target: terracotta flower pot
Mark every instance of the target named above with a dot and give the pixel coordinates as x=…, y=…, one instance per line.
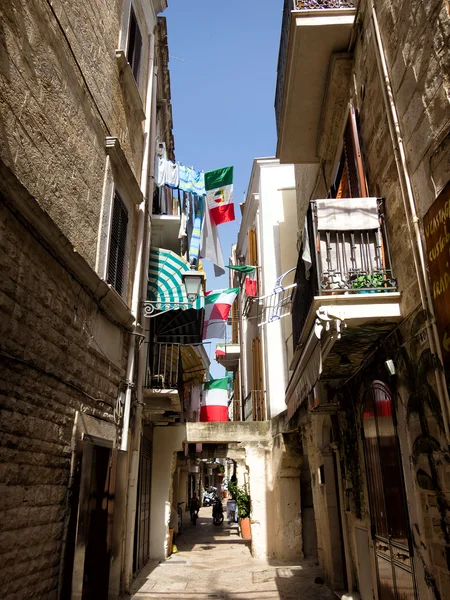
x=246, y=531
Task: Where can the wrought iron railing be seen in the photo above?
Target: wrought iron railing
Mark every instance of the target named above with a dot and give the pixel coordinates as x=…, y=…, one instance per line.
x=255, y=406
x=289, y=7
x=163, y=366
x=342, y=262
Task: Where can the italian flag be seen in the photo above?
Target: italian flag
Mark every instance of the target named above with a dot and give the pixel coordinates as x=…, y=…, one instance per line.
x=214, y=405
x=220, y=350
x=217, y=308
x=219, y=195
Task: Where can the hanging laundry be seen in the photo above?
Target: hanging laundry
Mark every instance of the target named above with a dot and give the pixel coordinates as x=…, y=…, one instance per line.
x=210, y=248
x=198, y=183
x=166, y=172
x=194, y=248
x=182, y=231
x=185, y=179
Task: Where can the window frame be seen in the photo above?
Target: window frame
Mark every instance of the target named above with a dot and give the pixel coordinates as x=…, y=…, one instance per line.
x=122, y=241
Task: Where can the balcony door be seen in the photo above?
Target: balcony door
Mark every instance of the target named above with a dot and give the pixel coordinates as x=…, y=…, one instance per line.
x=388, y=508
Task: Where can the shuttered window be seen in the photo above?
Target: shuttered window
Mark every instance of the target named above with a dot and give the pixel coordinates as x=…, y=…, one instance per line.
x=117, y=246
x=252, y=248
x=350, y=180
x=134, y=46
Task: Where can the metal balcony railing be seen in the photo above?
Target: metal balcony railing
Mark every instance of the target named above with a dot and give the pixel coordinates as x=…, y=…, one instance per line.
x=289, y=7
x=342, y=262
x=255, y=406
x=163, y=366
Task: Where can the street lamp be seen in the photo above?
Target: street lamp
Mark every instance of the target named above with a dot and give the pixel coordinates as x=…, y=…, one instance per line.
x=192, y=282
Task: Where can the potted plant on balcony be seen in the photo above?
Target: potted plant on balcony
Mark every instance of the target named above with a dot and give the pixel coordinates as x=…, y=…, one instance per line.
x=244, y=508
x=374, y=281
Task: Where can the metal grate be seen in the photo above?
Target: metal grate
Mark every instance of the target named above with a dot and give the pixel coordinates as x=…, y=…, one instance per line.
x=116, y=262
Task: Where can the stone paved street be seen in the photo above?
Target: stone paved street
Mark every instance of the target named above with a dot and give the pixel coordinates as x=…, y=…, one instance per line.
x=215, y=563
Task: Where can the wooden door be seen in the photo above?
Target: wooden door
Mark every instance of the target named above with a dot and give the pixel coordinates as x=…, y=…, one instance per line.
x=94, y=529
x=388, y=508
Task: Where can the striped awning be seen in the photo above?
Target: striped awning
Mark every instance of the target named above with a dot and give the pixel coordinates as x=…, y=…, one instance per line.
x=194, y=369
x=165, y=284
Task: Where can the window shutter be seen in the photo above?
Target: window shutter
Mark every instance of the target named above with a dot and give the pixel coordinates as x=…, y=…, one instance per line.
x=235, y=323
x=134, y=46
x=252, y=247
x=351, y=181
x=116, y=263
x=353, y=159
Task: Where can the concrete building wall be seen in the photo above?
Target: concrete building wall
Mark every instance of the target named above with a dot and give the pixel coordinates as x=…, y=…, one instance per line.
x=50, y=367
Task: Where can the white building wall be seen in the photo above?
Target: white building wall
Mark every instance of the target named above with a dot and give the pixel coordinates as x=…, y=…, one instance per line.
x=276, y=208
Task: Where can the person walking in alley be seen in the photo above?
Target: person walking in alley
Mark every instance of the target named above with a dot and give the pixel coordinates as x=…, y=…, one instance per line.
x=194, y=508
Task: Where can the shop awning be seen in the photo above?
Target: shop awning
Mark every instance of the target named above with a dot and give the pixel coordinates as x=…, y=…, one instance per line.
x=165, y=287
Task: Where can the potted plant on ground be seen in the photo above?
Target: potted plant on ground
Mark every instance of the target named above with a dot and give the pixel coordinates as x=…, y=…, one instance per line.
x=244, y=508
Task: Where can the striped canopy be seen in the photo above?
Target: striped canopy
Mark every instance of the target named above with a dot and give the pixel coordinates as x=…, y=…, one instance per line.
x=165, y=283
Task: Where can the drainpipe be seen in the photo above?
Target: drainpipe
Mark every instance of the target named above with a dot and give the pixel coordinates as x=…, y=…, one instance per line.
x=411, y=216
x=140, y=283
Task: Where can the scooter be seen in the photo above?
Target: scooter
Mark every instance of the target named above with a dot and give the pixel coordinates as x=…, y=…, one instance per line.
x=217, y=512
x=208, y=498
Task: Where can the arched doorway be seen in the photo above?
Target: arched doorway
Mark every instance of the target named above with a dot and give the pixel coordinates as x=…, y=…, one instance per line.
x=388, y=508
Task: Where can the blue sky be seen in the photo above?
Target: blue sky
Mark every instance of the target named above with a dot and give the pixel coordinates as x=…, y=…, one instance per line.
x=223, y=60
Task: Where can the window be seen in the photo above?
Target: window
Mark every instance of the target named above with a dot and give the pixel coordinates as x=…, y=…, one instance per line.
x=116, y=262
x=134, y=46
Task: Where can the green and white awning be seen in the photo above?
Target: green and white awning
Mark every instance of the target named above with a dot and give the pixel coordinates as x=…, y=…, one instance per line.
x=165, y=290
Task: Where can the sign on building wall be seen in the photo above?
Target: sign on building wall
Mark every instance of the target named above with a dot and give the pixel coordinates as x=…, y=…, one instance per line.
x=437, y=235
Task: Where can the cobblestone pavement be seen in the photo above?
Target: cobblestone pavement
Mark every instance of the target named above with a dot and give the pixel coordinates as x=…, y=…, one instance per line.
x=214, y=563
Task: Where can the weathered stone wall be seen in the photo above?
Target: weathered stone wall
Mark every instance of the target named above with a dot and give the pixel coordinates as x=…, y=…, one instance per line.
x=49, y=368
x=60, y=95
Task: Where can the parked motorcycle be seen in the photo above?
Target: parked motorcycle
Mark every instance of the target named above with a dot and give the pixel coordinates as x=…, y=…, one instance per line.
x=217, y=512
x=208, y=498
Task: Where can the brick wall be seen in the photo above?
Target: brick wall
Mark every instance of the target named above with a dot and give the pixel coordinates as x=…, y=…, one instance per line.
x=46, y=319
x=60, y=95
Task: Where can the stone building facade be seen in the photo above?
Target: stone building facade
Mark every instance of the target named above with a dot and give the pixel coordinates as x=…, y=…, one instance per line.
x=77, y=116
x=374, y=422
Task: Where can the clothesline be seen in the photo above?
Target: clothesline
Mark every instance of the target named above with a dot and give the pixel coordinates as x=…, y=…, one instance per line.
x=176, y=175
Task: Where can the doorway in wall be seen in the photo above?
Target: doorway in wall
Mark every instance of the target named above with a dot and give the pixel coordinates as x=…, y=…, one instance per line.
x=387, y=498
x=142, y=527
x=91, y=532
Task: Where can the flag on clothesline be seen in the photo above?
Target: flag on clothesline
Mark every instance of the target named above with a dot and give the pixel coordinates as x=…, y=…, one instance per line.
x=217, y=308
x=214, y=405
x=219, y=194
x=247, y=269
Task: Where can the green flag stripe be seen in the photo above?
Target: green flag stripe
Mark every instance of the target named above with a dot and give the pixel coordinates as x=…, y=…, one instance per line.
x=218, y=178
x=212, y=298
x=217, y=384
x=242, y=268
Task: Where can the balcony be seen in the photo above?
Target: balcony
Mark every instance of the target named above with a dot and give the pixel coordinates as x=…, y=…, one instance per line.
x=166, y=220
x=346, y=298
x=312, y=33
x=170, y=367
x=228, y=356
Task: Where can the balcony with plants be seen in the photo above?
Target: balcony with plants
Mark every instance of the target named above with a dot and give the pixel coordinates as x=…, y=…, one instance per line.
x=346, y=296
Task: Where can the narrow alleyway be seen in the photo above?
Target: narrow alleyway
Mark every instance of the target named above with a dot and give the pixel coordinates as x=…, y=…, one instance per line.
x=215, y=563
